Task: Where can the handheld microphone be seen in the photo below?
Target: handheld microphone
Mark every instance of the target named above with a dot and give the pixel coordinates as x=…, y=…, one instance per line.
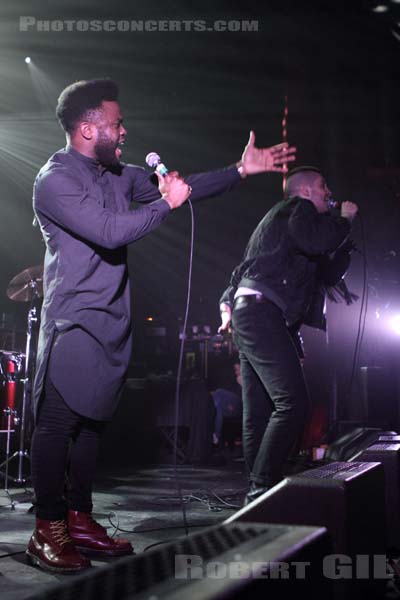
x=154, y=161
x=332, y=203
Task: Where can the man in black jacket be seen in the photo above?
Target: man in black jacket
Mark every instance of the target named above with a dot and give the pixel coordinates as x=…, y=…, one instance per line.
x=294, y=250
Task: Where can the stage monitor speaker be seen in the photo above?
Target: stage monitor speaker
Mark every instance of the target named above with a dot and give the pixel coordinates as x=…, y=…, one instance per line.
x=332, y=496
x=346, y=498
x=388, y=453
x=394, y=438
x=352, y=442
x=238, y=561
x=379, y=395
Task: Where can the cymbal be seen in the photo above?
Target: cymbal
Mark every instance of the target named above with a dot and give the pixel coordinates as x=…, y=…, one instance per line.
x=26, y=284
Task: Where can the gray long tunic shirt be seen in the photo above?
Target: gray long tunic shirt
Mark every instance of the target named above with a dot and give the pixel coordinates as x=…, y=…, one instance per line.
x=86, y=223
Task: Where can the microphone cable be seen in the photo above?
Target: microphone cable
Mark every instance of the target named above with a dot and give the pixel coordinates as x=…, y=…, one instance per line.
x=154, y=161
x=363, y=313
x=179, y=373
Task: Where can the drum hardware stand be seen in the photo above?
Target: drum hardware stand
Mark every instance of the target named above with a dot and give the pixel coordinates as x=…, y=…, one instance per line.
x=9, y=413
x=22, y=453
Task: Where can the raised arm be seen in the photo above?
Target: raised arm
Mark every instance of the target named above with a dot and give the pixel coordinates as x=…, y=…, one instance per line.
x=204, y=185
x=213, y=183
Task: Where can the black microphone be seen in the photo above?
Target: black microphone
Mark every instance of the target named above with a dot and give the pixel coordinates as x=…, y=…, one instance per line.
x=332, y=203
x=154, y=161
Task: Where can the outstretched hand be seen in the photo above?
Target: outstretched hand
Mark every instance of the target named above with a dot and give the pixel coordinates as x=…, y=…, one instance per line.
x=261, y=160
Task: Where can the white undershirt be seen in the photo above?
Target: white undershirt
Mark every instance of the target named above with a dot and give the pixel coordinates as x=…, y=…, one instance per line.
x=245, y=291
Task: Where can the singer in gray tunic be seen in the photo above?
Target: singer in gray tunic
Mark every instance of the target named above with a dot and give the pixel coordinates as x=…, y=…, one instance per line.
x=82, y=200
x=86, y=223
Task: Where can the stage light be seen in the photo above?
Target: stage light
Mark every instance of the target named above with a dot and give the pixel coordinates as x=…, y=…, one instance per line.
x=380, y=8
x=395, y=324
x=28, y=60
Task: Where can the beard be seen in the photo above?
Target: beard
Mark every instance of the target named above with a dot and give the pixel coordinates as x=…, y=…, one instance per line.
x=105, y=150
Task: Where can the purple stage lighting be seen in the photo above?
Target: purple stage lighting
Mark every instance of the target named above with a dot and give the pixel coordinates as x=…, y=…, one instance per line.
x=394, y=323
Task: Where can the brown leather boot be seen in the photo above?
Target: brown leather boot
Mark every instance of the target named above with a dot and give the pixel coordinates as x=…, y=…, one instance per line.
x=52, y=549
x=91, y=538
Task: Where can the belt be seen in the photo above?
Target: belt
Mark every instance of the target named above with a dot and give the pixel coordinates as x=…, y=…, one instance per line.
x=243, y=301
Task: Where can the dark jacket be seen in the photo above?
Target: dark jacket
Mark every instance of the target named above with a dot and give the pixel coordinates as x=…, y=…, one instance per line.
x=86, y=222
x=290, y=256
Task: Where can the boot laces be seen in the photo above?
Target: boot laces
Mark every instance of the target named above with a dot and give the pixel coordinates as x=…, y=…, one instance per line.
x=60, y=533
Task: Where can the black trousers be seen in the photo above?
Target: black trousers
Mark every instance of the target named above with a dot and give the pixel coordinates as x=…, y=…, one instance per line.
x=64, y=453
x=275, y=397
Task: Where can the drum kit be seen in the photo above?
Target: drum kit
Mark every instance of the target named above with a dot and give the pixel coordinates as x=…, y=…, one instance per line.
x=16, y=376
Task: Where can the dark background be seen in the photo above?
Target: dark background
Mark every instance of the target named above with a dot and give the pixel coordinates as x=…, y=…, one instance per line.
x=193, y=97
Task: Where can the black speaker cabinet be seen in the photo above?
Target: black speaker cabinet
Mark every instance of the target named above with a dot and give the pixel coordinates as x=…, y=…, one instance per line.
x=388, y=454
x=346, y=498
x=352, y=442
x=332, y=496
x=237, y=561
x=393, y=438
x=379, y=396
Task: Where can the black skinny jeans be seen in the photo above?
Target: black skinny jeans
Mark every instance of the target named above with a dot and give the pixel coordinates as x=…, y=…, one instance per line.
x=275, y=397
x=64, y=453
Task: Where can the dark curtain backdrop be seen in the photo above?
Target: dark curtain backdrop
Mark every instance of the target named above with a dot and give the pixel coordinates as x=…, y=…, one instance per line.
x=192, y=97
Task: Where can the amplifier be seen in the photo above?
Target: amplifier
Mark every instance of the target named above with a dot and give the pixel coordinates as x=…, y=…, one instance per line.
x=241, y=560
x=332, y=496
x=346, y=498
x=388, y=454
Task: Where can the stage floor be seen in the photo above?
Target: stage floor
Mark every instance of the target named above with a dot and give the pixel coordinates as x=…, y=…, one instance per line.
x=138, y=503
x=142, y=502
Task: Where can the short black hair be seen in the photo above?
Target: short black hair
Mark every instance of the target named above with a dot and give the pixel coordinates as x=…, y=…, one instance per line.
x=297, y=171
x=77, y=99
x=302, y=169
